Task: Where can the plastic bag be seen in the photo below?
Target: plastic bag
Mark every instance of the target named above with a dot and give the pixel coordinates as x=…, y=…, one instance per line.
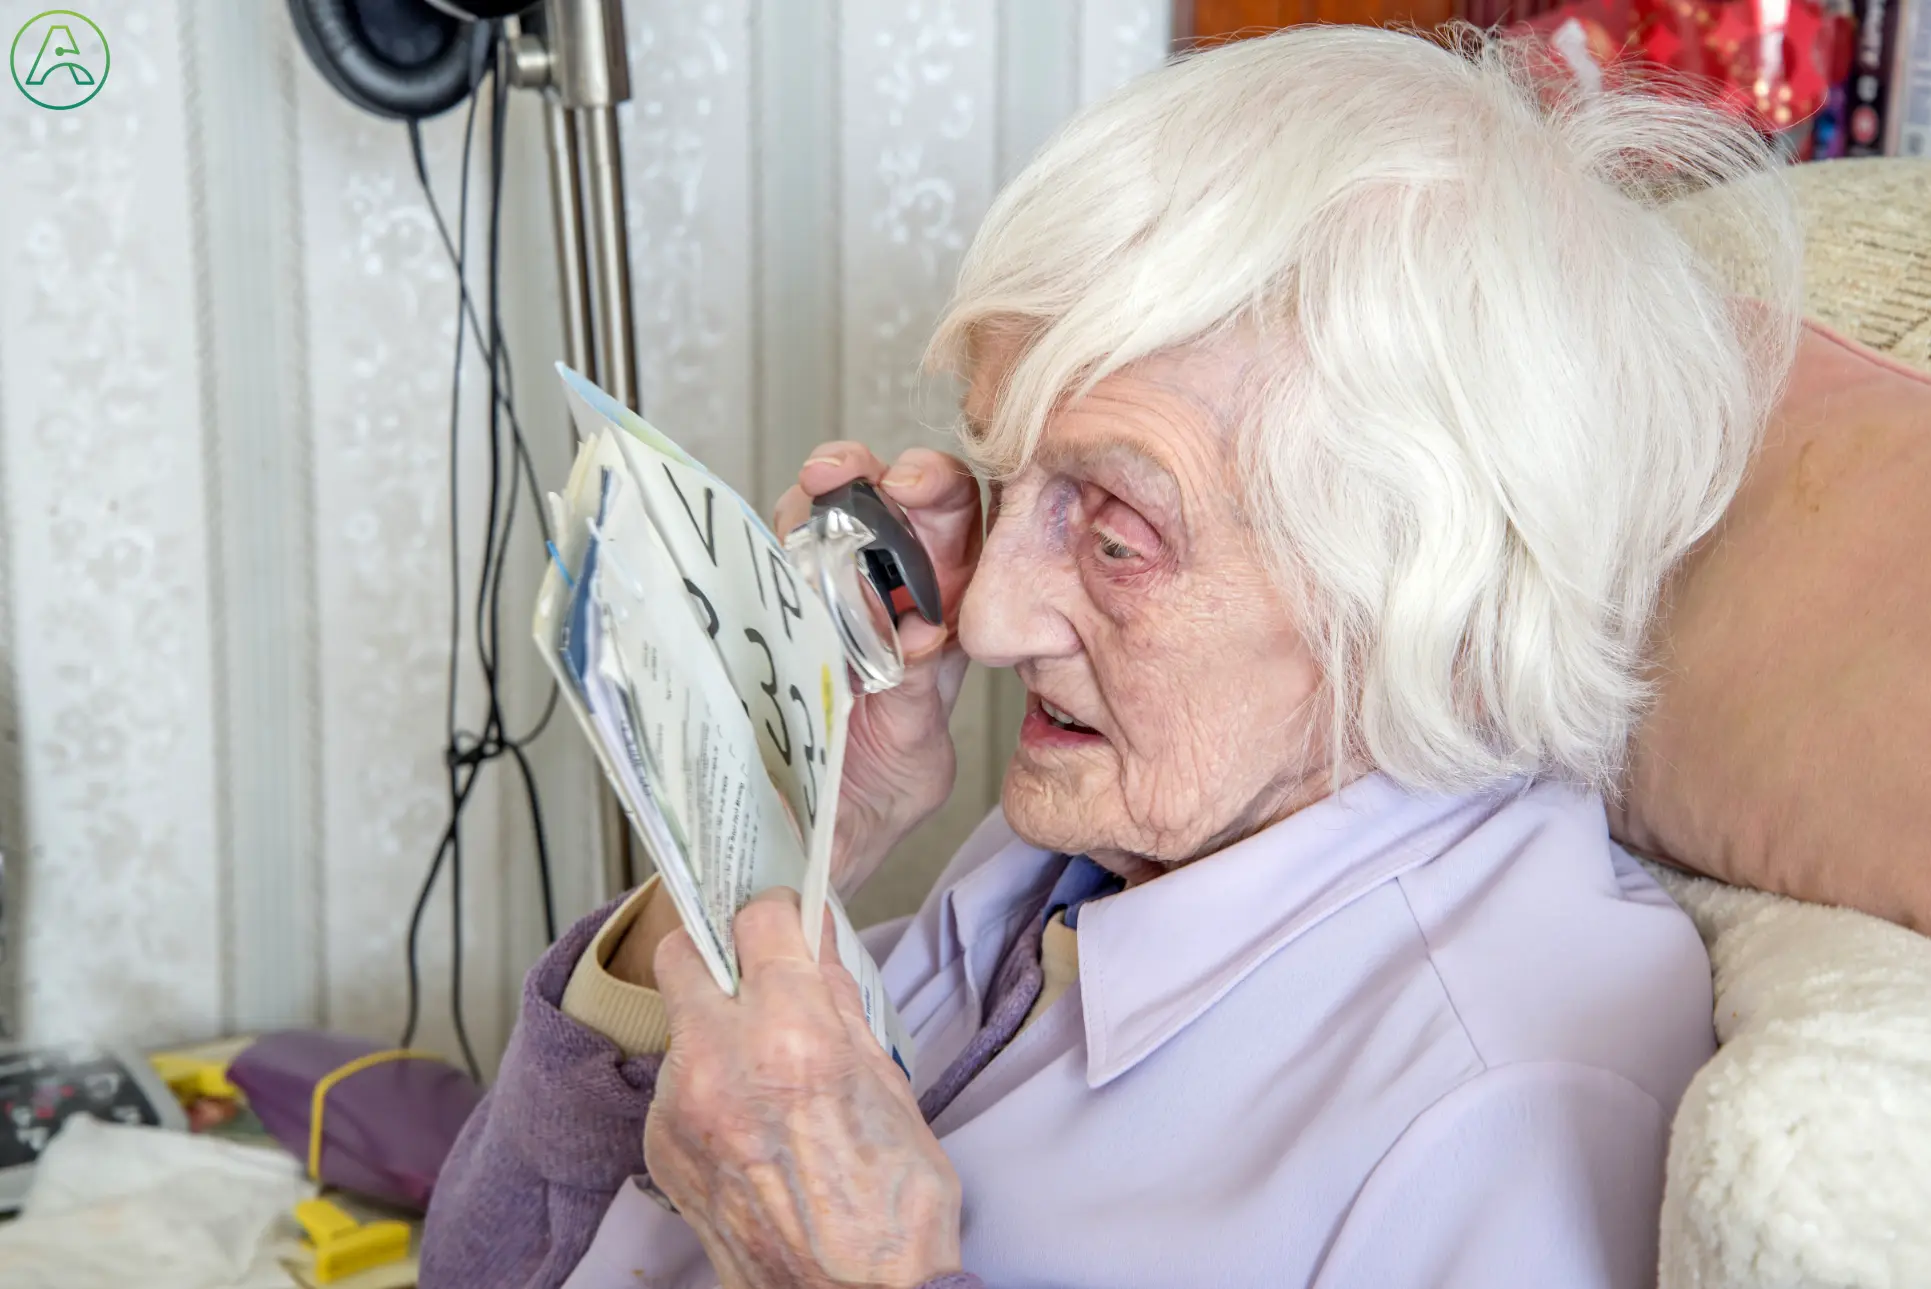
x=114, y=1206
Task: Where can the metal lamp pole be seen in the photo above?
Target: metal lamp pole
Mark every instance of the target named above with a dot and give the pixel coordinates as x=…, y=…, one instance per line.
x=575, y=57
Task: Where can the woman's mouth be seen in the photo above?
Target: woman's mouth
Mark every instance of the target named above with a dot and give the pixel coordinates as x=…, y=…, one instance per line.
x=1062, y=720
x=1047, y=725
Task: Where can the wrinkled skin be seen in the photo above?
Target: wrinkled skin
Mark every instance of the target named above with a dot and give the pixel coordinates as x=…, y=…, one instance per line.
x=781, y=1130
x=1120, y=581
x=899, y=762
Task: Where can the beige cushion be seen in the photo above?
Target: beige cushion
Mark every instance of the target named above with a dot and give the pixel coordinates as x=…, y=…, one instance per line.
x=1790, y=746
x=1867, y=250
x=1801, y=1155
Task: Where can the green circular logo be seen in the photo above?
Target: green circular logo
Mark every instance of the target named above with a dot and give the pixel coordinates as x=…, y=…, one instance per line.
x=59, y=59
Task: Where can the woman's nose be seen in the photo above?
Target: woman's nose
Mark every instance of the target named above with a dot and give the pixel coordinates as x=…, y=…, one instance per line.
x=1016, y=606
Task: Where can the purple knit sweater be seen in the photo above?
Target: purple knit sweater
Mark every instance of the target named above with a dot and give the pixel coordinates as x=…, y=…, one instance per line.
x=526, y=1187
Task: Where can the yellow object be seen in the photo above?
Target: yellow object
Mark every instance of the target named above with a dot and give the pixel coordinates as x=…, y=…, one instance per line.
x=343, y=1246
x=192, y=1078
x=335, y=1076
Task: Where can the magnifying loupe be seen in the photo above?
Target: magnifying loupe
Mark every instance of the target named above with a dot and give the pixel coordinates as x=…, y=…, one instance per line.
x=858, y=551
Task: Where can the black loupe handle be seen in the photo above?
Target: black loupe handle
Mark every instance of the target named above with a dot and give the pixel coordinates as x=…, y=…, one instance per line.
x=894, y=557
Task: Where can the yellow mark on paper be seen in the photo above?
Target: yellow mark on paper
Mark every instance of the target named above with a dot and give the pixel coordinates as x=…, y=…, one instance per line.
x=824, y=673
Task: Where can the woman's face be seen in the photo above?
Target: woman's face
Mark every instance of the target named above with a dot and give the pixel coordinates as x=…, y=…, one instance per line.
x=1168, y=692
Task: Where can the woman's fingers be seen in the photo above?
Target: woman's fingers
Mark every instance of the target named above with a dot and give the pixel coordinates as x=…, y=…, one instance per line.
x=831, y=464
x=793, y=509
x=769, y=933
x=768, y=928
x=828, y=466
x=684, y=981
x=924, y=479
x=937, y=490
x=941, y=496
x=920, y=640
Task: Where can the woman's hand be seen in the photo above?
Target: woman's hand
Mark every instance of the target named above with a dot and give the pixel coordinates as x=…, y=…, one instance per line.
x=899, y=762
x=782, y=1131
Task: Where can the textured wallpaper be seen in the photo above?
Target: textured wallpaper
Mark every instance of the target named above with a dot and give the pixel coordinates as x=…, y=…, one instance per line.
x=105, y=516
x=226, y=327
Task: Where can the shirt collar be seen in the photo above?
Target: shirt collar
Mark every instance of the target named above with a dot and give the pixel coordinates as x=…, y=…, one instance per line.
x=985, y=907
x=1156, y=956
x=1080, y=882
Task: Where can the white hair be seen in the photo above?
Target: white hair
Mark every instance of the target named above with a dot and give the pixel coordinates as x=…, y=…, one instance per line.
x=1500, y=397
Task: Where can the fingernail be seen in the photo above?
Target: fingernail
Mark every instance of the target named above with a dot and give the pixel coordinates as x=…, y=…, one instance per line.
x=824, y=461
x=920, y=639
x=902, y=476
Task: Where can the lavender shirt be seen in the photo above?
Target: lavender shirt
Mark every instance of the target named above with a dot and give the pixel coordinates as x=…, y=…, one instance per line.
x=1390, y=1041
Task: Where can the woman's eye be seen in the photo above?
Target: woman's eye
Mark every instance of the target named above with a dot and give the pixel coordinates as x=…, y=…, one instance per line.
x=1112, y=547
x=1117, y=537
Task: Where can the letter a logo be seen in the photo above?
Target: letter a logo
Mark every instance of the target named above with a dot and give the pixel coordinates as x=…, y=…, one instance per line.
x=65, y=49
x=59, y=59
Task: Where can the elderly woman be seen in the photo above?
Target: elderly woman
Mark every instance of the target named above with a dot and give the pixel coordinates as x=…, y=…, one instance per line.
x=1346, y=400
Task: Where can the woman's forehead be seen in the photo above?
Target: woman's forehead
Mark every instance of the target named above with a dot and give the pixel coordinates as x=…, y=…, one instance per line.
x=1159, y=419
x=1210, y=374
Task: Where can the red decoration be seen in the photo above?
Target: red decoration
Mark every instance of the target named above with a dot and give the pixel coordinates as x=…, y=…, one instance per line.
x=1773, y=59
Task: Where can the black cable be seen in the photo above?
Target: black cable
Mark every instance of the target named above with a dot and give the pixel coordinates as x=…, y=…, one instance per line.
x=475, y=324
x=497, y=540
x=451, y=846
x=453, y=768
x=499, y=364
x=474, y=752
x=466, y=754
x=507, y=397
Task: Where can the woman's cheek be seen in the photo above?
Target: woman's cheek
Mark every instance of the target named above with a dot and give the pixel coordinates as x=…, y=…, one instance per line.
x=1139, y=604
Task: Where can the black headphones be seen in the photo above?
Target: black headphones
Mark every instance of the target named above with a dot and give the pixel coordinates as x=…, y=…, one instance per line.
x=405, y=59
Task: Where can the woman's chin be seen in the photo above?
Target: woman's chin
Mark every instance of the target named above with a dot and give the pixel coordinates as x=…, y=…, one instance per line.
x=1048, y=807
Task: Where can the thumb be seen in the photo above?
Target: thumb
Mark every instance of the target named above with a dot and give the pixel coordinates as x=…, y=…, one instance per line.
x=921, y=641
x=924, y=695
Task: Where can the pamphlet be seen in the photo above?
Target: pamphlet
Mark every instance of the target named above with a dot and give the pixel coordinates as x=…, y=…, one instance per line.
x=710, y=680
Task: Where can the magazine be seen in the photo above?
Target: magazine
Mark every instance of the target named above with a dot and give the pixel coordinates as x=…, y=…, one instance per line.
x=711, y=682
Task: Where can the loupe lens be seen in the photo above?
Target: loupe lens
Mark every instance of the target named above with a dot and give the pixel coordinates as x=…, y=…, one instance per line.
x=826, y=550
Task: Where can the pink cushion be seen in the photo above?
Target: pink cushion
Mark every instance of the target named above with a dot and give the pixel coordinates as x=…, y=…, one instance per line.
x=1790, y=747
